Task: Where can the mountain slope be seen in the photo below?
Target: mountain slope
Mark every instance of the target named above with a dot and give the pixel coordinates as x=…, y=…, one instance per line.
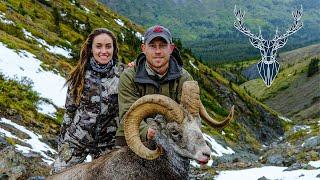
x=206, y=26
x=292, y=91
x=39, y=44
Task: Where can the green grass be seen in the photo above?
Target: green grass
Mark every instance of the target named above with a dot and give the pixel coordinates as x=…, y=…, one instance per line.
x=39, y=20
x=18, y=99
x=18, y=96
x=281, y=82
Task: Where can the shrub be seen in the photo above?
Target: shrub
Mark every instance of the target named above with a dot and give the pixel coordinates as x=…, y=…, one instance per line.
x=21, y=10
x=313, y=67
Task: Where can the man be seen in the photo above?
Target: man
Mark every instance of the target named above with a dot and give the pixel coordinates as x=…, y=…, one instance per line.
x=158, y=70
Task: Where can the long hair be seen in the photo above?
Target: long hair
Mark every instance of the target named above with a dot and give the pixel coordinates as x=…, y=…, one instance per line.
x=75, y=80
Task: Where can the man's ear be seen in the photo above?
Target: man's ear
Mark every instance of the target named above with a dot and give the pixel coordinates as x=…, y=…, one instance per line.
x=172, y=46
x=143, y=48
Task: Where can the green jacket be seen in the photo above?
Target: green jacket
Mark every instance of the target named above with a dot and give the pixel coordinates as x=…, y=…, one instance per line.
x=135, y=83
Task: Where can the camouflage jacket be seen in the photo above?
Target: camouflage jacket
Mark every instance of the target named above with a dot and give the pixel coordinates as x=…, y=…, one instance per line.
x=135, y=83
x=94, y=121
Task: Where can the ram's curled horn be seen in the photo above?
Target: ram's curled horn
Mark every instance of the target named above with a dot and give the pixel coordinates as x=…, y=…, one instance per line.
x=146, y=106
x=190, y=97
x=212, y=122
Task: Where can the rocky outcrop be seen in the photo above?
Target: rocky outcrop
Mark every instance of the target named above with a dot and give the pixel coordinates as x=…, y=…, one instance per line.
x=251, y=72
x=15, y=165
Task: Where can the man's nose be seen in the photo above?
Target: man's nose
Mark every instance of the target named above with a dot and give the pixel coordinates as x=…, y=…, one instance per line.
x=158, y=49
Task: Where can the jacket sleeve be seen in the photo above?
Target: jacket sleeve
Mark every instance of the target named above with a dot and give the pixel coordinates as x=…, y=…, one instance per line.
x=128, y=94
x=70, y=111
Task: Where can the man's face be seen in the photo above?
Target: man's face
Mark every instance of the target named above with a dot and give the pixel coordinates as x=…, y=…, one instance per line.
x=158, y=53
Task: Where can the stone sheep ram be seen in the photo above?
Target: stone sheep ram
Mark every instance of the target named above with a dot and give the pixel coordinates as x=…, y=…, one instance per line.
x=178, y=139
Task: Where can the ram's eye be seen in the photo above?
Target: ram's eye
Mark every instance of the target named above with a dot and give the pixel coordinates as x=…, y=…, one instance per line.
x=176, y=136
x=175, y=133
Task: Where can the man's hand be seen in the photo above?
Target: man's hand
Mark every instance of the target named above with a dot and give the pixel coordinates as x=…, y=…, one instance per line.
x=151, y=133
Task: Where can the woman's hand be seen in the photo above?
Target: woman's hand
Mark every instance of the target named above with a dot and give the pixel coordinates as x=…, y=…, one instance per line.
x=131, y=64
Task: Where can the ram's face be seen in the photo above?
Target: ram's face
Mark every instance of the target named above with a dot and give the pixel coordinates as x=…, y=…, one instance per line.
x=187, y=140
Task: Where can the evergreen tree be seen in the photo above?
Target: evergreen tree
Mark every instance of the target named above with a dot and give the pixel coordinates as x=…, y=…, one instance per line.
x=21, y=10
x=313, y=67
x=88, y=26
x=45, y=2
x=77, y=4
x=178, y=43
x=57, y=19
x=196, y=63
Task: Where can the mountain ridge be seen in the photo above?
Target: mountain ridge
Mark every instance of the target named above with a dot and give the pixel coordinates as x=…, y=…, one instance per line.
x=207, y=26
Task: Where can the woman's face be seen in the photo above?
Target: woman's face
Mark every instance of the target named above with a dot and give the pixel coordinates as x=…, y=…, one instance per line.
x=102, y=48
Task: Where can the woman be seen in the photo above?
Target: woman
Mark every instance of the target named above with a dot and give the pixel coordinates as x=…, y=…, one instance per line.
x=91, y=117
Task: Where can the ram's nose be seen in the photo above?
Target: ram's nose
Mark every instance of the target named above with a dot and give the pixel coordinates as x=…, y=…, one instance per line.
x=204, y=155
x=204, y=159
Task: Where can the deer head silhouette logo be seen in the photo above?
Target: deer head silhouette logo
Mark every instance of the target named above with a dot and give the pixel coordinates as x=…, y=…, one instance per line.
x=268, y=67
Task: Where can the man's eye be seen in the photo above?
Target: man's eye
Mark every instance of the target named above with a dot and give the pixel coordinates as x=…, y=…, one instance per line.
x=162, y=46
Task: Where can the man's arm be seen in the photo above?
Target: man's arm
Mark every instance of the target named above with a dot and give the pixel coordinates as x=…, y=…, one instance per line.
x=128, y=94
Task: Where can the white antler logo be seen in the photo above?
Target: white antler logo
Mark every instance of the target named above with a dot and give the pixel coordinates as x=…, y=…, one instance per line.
x=268, y=66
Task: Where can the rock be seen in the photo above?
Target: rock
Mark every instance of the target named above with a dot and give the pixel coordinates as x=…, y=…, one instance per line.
x=308, y=167
x=11, y=112
x=251, y=72
x=318, y=176
x=18, y=171
x=3, y=143
x=294, y=166
x=18, y=117
x=242, y=165
x=311, y=142
x=297, y=166
x=263, y=178
x=276, y=160
x=202, y=173
x=36, y=178
x=314, y=154
x=14, y=131
x=289, y=161
x=266, y=129
x=230, y=76
x=241, y=158
x=4, y=176
x=18, y=166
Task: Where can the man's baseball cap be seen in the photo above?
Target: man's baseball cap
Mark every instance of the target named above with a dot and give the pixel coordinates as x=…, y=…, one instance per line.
x=157, y=31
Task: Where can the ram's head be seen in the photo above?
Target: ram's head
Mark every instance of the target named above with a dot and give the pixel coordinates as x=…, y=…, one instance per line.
x=178, y=132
